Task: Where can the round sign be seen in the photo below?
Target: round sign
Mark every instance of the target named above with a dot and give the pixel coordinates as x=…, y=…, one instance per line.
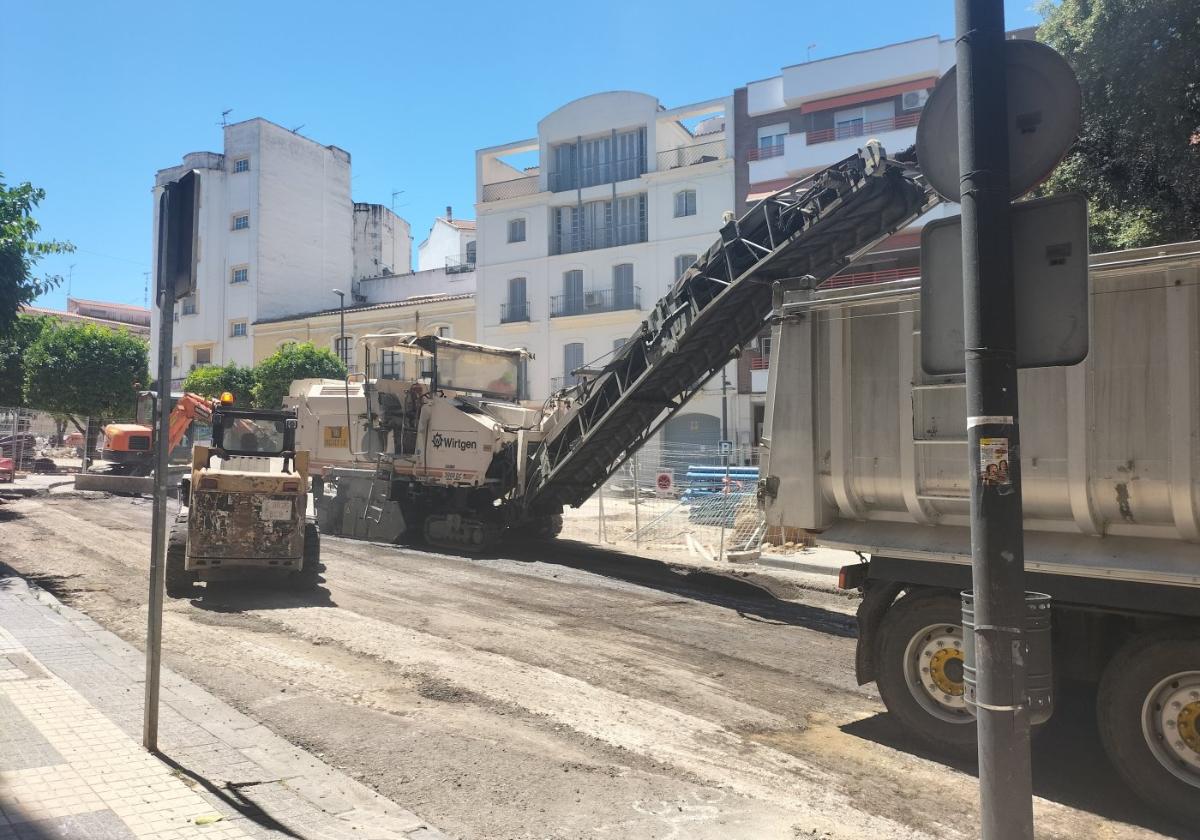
x=1044, y=117
x=663, y=481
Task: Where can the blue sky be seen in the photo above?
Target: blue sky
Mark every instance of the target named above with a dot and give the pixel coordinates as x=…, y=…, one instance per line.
x=97, y=96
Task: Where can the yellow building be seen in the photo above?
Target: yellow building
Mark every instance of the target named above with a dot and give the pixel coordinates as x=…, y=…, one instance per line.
x=448, y=315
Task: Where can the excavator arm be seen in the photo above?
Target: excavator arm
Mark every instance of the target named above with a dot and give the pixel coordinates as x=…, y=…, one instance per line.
x=189, y=409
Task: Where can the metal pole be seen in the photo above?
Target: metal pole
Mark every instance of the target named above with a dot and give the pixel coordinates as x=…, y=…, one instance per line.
x=989, y=322
x=637, y=505
x=342, y=349
x=724, y=512
x=158, y=528
x=724, y=406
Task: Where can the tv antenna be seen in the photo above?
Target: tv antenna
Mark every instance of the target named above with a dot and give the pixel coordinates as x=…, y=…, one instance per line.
x=394, y=194
x=808, y=52
x=225, y=117
x=296, y=130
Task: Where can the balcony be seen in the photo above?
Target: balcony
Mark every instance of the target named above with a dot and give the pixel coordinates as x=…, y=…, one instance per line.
x=861, y=129
x=572, y=242
x=512, y=188
x=459, y=265
x=765, y=152
x=514, y=311
x=593, y=174
x=601, y=300
x=691, y=155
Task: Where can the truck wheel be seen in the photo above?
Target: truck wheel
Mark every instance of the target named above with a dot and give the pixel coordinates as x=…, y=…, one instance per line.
x=309, y=576
x=920, y=670
x=1148, y=710
x=179, y=581
x=549, y=527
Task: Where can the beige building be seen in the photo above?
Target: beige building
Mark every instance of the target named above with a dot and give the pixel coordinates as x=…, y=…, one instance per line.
x=450, y=315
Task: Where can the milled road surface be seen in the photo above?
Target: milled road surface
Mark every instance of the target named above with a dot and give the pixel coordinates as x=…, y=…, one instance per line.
x=563, y=691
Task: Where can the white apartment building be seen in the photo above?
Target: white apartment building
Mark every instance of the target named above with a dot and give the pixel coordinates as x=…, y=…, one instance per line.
x=276, y=233
x=450, y=244
x=575, y=248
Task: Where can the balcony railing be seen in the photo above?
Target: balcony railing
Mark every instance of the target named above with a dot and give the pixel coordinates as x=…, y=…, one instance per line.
x=859, y=129
x=691, y=155
x=528, y=185
x=608, y=237
x=760, y=362
x=459, y=265
x=601, y=300
x=764, y=152
x=589, y=175
x=514, y=311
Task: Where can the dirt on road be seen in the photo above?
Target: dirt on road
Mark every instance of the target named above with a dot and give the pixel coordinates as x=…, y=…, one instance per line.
x=561, y=691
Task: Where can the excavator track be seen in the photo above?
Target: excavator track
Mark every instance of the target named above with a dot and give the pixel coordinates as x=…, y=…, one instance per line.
x=807, y=232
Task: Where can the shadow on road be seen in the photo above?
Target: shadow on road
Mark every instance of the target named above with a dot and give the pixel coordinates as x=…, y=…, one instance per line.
x=749, y=599
x=60, y=586
x=1070, y=766
x=232, y=795
x=242, y=596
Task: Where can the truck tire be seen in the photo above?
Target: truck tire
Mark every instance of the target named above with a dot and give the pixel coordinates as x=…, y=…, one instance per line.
x=549, y=527
x=919, y=670
x=1148, y=711
x=309, y=576
x=179, y=581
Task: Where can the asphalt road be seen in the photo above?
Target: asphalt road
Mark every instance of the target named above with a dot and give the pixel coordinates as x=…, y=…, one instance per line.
x=564, y=691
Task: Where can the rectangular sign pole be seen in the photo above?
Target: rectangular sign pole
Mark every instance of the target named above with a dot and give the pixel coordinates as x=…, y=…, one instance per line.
x=993, y=442
x=158, y=527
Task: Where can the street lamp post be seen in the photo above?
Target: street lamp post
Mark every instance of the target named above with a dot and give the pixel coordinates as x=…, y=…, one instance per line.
x=341, y=345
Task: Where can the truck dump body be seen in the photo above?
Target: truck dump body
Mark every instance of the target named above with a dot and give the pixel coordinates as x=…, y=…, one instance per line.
x=812, y=229
x=869, y=452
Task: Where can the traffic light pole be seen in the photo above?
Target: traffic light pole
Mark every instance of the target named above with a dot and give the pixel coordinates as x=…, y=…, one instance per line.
x=989, y=321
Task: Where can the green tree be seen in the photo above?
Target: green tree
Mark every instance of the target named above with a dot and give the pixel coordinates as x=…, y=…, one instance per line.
x=86, y=370
x=1138, y=154
x=273, y=376
x=13, y=345
x=212, y=381
x=20, y=251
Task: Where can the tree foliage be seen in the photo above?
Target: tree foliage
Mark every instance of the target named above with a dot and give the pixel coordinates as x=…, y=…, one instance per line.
x=13, y=345
x=1138, y=155
x=273, y=376
x=212, y=381
x=20, y=251
x=86, y=370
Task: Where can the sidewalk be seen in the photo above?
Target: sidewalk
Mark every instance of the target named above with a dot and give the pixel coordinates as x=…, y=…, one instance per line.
x=72, y=766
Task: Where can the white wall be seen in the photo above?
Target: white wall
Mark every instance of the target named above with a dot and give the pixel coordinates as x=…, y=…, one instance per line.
x=867, y=68
x=401, y=286
x=445, y=241
x=382, y=242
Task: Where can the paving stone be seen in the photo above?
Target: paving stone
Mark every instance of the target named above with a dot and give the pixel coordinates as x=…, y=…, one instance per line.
x=24, y=745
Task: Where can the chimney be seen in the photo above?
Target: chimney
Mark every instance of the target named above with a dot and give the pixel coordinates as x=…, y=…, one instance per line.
x=449, y=213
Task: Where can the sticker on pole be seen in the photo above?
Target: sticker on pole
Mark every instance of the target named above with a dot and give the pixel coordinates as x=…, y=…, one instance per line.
x=993, y=461
x=664, y=481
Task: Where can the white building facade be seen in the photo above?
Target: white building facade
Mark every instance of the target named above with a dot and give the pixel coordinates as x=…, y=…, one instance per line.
x=382, y=242
x=276, y=233
x=450, y=244
x=574, y=251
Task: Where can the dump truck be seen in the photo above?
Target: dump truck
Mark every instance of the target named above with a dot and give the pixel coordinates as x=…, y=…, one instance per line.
x=867, y=452
x=244, y=506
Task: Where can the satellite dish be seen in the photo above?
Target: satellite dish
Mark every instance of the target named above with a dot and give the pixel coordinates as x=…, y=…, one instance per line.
x=1044, y=117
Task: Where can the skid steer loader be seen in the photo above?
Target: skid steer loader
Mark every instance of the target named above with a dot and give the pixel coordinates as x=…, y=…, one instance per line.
x=243, y=509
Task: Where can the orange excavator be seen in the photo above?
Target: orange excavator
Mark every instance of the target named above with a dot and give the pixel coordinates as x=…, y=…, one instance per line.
x=129, y=447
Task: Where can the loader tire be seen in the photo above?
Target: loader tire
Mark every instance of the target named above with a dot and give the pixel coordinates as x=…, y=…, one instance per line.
x=309, y=576
x=179, y=581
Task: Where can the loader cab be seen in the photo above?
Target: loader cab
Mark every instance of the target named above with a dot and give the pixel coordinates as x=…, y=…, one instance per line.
x=246, y=433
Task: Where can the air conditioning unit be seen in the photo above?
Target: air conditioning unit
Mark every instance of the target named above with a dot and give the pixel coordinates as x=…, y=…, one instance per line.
x=914, y=99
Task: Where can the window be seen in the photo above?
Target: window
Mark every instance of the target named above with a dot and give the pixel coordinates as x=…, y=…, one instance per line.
x=391, y=365
x=241, y=221
x=241, y=165
x=188, y=305
x=237, y=329
x=624, y=294
x=771, y=139
x=239, y=274
x=572, y=292
x=201, y=356
x=516, y=230
x=602, y=159
x=517, y=307
x=572, y=360
x=174, y=357
x=343, y=349
x=685, y=203
x=598, y=224
x=682, y=263
x=471, y=252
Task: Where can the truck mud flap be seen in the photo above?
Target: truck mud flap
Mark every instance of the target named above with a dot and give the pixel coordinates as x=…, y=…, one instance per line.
x=878, y=595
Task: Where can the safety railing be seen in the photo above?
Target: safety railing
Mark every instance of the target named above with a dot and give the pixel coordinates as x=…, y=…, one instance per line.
x=691, y=155
x=600, y=300
x=514, y=311
x=513, y=188
x=861, y=129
